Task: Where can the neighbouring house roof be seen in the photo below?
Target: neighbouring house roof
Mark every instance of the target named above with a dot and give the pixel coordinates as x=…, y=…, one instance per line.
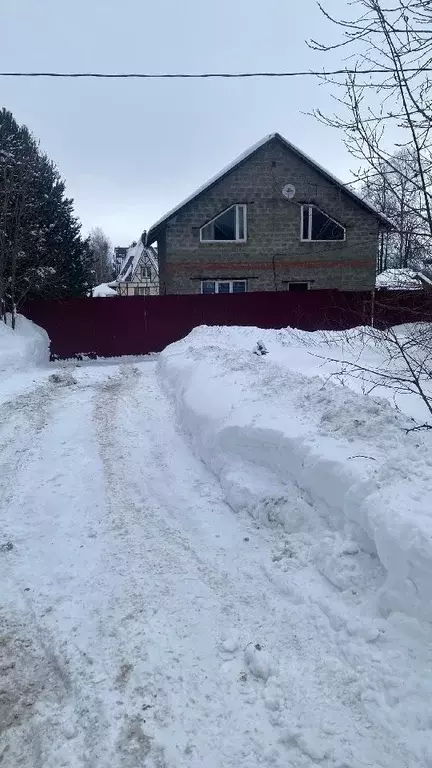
x=403, y=279
x=426, y=277
x=152, y=233
x=132, y=260
x=103, y=290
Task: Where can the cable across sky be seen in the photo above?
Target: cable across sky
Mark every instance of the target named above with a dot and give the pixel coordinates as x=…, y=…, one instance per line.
x=207, y=75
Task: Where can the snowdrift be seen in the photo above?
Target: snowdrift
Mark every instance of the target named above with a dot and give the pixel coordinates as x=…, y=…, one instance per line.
x=23, y=348
x=295, y=449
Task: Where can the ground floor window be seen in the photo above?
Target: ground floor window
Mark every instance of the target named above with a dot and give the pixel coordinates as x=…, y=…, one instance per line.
x=140, y=290
x=223, y=286
x=298, y=286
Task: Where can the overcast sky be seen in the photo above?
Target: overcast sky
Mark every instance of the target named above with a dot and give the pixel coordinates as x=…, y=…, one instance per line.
x=130, y=150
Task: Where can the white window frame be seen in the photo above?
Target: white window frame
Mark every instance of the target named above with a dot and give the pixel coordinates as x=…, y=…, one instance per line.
x=216, y=282
x=241, y=210
x=308, y=239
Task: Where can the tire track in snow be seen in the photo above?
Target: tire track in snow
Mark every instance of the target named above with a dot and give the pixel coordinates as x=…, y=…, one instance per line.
x=22, y=421
x=159, y=488
x=150, y=594
x=41, y=686
x=180, y=591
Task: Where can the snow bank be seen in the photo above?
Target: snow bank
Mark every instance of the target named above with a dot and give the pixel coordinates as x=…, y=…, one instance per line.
x=399, y=279
x=25, y=347
x=103, y=291
x=296, y=449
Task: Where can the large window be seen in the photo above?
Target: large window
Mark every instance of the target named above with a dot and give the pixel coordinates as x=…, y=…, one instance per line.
x=229, y=226
x=223, y=286
x=316, y=225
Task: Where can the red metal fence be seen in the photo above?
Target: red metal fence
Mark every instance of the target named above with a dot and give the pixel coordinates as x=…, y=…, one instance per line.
x=137, y=325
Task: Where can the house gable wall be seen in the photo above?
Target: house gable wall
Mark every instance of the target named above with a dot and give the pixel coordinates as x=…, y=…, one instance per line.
x=274, y=253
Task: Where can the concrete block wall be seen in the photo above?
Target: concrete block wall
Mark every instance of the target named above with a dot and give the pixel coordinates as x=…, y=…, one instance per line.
x=274, y=253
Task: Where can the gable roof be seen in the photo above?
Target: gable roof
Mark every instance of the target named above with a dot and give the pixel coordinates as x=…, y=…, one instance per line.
x=152, y=233
x=135, y=254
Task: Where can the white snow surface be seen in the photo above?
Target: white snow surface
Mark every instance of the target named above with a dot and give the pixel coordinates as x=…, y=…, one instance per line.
x=145, y=621
x=262, y=425
x=24, y=356
x=24, y=347
x=103, y=291
x=399, y=279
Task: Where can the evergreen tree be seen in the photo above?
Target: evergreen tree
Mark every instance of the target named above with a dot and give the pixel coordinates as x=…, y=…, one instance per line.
x=42, y=252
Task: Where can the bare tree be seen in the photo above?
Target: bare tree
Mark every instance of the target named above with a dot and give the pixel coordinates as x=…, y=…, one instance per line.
x=390, y=108
x=102, y=256
x=395, y=195
x=398, y=359
x=386, y=120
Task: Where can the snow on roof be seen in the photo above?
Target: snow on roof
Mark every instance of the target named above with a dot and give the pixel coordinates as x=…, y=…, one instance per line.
x=103, y=290
x=247, y=153
x=130, y=263
x=133, y=257
x=399, y=279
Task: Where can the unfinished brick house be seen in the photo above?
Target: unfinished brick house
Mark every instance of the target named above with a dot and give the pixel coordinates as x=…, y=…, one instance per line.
x=272, y=220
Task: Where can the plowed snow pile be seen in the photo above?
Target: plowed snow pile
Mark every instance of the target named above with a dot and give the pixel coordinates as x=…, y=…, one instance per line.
x=24, y=357
x=24, y=347
x=349, y=488
x=264, y=427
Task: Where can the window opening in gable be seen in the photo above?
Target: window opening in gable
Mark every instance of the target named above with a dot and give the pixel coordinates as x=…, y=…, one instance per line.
x=229, y=226
x=318, y=226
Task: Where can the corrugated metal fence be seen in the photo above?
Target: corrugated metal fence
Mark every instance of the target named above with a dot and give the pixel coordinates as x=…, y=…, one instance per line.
x=110, y=327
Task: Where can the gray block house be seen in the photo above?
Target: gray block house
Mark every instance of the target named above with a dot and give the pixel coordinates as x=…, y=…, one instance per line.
x=272, y=220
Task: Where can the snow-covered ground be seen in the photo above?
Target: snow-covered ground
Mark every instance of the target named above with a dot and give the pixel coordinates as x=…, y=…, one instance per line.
x=24, y=356
x=104, y=290
x=145, y=621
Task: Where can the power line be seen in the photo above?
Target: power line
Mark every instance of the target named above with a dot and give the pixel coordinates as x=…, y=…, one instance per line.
x=207, y=75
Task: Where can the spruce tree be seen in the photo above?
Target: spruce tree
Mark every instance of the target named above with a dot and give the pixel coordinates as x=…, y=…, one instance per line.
x=42, y=252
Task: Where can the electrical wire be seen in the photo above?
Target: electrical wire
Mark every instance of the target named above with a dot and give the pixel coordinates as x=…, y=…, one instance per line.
x=206, y=75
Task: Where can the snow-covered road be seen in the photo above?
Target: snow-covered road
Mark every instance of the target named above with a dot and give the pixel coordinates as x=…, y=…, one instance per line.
x=144, y=623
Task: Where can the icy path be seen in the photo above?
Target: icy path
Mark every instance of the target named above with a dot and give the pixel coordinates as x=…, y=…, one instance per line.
x=143, y=623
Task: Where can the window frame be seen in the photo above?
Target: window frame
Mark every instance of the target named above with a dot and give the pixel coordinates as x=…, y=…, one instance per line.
x=299, y=282
x=141, y=290
x=145, y=273
x=309, y=239
x=237, y=206
x=217, y=281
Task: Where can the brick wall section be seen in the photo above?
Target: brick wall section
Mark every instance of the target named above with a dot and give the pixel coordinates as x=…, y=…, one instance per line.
x=273, y=253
